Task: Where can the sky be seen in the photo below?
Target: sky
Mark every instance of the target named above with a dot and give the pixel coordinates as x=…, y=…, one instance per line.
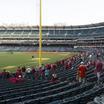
x=54, y=12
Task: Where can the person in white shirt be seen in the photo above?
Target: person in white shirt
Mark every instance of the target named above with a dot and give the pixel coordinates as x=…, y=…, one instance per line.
x=29, y=73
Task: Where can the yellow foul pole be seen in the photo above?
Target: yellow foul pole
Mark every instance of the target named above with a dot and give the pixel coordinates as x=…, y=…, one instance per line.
x=40, y=36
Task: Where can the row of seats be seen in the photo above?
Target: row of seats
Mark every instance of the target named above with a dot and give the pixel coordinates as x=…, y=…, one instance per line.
x=66, y=90
x=54, y=33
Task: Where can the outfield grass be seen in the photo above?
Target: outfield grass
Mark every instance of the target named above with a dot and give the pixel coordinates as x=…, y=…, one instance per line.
x=11, y=61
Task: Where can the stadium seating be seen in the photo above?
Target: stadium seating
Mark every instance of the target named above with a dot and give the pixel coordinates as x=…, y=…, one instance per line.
x=64, y=91
x=87, y=35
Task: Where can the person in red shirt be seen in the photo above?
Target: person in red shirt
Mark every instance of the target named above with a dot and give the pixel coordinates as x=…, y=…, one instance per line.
x=18, y=73
x=41, y=73
x=82, y=72
x=98, y=69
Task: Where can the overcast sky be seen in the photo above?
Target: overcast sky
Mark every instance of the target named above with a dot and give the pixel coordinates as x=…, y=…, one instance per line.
x=68, y=12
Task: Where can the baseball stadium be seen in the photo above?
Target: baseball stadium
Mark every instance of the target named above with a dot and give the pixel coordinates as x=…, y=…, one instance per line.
x=52, y=64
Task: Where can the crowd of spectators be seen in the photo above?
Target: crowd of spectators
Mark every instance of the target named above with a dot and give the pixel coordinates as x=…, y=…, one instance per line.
x=49, y=71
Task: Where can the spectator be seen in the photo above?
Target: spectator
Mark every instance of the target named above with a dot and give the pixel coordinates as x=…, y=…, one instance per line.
x=81, y=73
x=23, y=71
x=29, y=73
x=54, y=77
x=18, y=73
x=53, y=68
x=48, y=66
x=8, y=74
x=46, y=73
x=4, y=74
x=41, y=73
x=98, y=70
x=33, y=72
x=37, y=73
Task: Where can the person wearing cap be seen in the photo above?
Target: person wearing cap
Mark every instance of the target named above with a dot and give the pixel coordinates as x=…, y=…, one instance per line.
x=81, y=72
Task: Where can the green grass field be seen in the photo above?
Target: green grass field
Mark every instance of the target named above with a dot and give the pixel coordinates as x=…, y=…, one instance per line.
x=11, y=61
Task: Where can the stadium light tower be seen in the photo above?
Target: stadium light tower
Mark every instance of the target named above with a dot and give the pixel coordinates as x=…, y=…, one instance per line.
x=40, y=36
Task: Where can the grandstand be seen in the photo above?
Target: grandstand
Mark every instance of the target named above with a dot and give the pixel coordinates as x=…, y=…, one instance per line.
x=85, y=39
x=91, y=35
